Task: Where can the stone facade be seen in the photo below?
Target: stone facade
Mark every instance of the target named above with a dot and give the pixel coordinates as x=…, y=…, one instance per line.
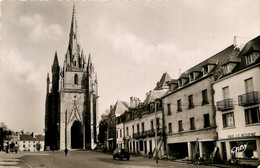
x=73, y=116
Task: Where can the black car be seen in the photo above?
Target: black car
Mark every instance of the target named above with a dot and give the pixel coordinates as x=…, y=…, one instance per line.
x=121, y=153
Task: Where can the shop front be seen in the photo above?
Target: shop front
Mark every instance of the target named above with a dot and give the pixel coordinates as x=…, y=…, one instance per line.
x=244, y=151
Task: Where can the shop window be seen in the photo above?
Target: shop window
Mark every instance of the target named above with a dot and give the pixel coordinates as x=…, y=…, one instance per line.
x=141, y=146
x=252, y=115
x=192, y=124
x=206, y=120
x=180, y=125
x=170, y=127
x=244, y=149
x=205, y=97
x=228, y=119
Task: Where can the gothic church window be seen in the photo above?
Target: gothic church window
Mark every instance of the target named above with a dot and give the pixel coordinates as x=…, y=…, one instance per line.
x=76, y=79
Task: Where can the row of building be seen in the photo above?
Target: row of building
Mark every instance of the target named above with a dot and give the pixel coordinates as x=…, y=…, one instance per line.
x=20, y=141
x=212, y=109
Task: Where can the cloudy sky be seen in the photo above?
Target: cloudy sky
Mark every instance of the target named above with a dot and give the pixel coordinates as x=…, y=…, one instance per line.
x=132, y=44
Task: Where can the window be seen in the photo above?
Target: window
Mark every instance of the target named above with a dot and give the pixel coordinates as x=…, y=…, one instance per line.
x=158, y=122
x=76, y=79
x=75, y=63
x=116, y=133
x=251, y=58
x=225, y=91
x=227, y=69
x=120, y=133
x=249, y=85
x=205, y=69
x=180, y=126
x=127, y=131
x=206, y=120
x=133, y=129
x=24, y=146
x=249, y=146
x=142, y=127
x=179, y=105
x=205, y=97
x=138, y=130
x=191, y=76
x=192, y=124
x=170, y=127
x=228, y=119
x=152, y=125
x=169, y=109
x=180, y=82
x=190, y=98
x=252, y=115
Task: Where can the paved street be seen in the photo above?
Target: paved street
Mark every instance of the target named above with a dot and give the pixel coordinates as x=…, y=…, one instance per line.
x=78, y=159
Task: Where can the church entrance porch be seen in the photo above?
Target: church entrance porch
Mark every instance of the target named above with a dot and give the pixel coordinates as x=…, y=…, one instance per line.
x=76, y=135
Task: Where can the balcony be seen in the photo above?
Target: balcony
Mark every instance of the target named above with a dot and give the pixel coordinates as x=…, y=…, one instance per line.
x=225, y=104
x=248, y=98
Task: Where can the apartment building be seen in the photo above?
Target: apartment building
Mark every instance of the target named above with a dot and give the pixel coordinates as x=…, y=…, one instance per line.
x=237, y=101
x=140, y=129
x=189, y=110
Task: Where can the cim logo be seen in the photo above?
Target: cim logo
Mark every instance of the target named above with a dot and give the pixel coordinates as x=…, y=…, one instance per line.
x=240, y=148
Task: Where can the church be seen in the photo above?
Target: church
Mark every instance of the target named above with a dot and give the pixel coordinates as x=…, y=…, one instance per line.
x=71, y=99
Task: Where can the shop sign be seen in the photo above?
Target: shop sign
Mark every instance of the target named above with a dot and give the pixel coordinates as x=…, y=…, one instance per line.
x=242, y=135
x=237, y=149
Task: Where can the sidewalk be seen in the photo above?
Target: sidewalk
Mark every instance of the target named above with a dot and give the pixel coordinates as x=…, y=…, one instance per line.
x=4, y=156
x=9, y=159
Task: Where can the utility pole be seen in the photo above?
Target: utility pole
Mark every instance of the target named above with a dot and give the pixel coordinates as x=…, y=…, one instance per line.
x=66, y=131
x=156, y=125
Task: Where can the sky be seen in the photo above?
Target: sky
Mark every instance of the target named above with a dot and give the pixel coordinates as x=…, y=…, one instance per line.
x=131, y=43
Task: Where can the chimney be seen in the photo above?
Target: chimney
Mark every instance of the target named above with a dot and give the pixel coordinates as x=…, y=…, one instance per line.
x=131, y=102
x=235, y=41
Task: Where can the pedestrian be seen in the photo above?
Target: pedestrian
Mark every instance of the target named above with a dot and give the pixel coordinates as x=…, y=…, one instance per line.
x=7, y=147
x=66, y=151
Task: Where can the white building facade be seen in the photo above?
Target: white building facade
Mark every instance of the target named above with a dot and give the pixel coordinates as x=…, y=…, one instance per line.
x=237, y=100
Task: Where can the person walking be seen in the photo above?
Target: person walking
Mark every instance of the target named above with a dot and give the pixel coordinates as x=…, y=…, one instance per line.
x=66, y=151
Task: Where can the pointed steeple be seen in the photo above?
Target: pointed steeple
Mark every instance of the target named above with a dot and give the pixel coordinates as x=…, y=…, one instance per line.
x=89, y=60
x=73, y=48
x=55, y=64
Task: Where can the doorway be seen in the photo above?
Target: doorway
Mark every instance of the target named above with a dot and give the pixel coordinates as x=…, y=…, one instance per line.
x=76, y=136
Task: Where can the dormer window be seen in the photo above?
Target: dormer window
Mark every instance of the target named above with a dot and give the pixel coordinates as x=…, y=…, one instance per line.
x=227, y=69
x=180, y=82
x=191, y=76
x=251, y=58
x=205, y=70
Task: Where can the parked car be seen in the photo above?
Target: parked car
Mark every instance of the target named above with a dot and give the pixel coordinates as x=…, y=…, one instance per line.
x=121, y=153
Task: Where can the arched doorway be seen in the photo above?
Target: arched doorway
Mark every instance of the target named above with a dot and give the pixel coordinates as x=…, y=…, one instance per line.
x=76, y=135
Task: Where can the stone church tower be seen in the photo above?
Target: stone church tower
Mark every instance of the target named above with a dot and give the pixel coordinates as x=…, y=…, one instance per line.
x=77, y=101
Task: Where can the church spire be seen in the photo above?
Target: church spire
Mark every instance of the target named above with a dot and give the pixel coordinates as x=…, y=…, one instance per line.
x=73, y=54
x=55, y=64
